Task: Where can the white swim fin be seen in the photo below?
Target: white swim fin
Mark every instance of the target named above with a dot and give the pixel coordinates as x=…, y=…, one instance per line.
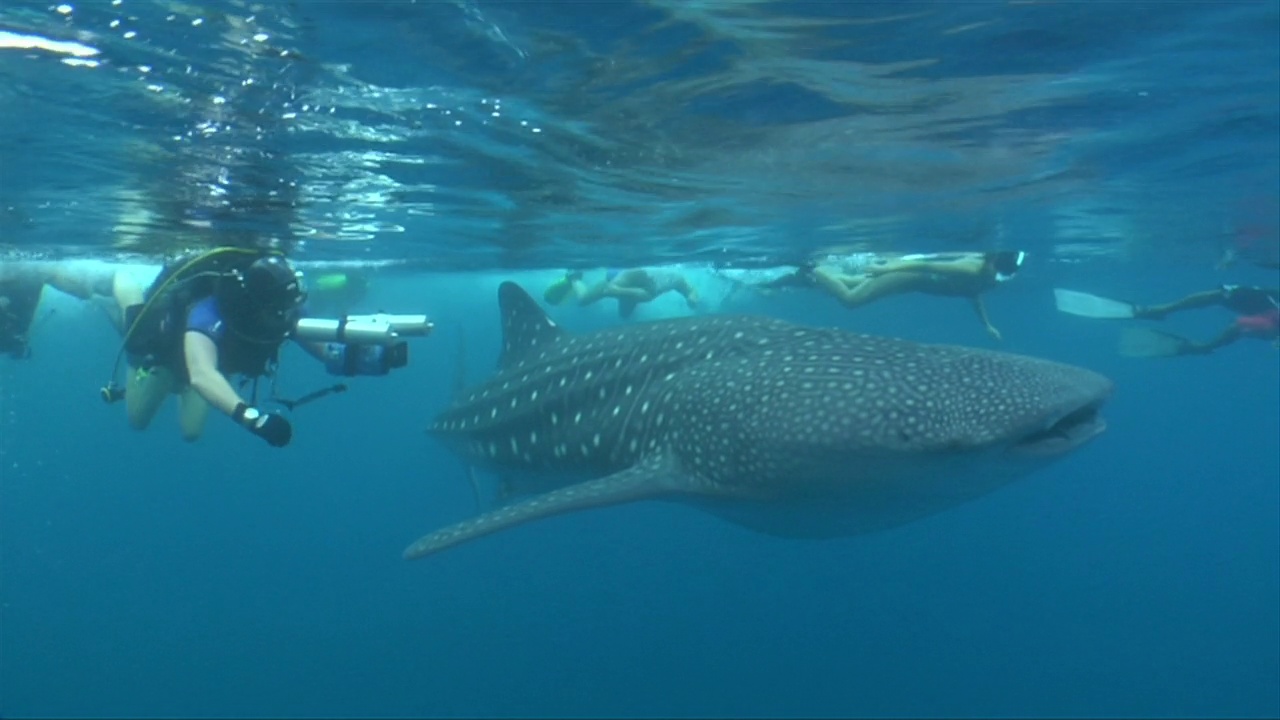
x=1091, y=306
x=1141, y=342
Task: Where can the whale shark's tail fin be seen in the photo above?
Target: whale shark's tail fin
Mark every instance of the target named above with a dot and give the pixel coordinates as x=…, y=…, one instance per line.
x=1091, y=306
x=650, y=479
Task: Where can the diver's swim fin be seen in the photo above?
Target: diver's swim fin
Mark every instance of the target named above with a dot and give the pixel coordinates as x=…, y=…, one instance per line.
x=1091, y=306
x=1141, y=342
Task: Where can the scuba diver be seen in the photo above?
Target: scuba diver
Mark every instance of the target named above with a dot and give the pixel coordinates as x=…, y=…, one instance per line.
x=1257, y=312
x=226, y=312
x=231, y=183
x=959, y=274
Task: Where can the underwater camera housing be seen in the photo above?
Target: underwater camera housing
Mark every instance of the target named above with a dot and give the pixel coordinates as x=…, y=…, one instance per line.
x=364, y=344
x=379, y=329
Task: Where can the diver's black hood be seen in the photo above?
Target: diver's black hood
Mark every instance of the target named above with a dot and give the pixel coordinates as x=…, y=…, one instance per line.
x=265, y=300
x=1007, y=262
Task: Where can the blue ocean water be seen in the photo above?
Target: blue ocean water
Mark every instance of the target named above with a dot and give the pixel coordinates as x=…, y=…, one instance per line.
x=1128, y=147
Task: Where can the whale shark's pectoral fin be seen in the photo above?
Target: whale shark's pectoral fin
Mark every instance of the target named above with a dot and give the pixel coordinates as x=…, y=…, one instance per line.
x=653, y=477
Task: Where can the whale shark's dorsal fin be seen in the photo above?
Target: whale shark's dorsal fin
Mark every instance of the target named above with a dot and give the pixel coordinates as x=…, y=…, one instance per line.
x=524, y=325
x=654, y=477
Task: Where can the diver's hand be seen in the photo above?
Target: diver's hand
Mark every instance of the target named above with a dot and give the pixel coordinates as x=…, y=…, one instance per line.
x=272, y=427
x=993, y=332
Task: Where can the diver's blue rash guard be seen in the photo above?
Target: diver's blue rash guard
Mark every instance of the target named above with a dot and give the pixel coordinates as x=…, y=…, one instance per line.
x=206, y=319
x=236, y=354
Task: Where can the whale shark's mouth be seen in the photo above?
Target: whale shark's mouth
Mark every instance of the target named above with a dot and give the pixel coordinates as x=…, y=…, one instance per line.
x=1065, y=432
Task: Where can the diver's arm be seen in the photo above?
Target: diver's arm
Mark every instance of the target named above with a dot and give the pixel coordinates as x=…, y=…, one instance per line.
x=202, y=366
x=981, y=309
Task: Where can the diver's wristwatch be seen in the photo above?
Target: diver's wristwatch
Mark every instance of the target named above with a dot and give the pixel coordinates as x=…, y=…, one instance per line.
x=246, y=415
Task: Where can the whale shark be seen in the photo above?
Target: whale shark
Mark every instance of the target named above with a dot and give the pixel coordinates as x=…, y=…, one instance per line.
x=786, y=429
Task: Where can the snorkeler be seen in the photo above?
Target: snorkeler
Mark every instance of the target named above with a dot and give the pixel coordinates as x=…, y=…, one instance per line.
x=629, y=287
x=963, y=274
x=1257, y=312
x=21, y=287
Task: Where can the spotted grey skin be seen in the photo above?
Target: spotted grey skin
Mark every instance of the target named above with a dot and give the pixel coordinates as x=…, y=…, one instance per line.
x=791, y=430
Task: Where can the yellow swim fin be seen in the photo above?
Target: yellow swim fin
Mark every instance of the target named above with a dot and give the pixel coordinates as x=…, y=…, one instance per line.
x=561, y=290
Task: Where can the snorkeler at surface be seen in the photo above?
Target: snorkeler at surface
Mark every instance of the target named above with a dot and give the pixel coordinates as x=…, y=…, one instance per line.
x=629, y=287
x=962, y=274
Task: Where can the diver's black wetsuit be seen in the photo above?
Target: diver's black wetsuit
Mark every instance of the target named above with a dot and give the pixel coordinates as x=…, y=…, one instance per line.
x=1250, y=300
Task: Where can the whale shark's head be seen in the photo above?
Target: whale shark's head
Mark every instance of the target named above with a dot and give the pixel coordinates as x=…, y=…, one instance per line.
x=1067, y=414
x=1025, y=406
x=864, y=433
x=846, y=410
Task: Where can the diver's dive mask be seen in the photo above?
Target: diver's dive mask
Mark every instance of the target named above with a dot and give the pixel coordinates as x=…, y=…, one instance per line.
x=1007, y=263
x=267, y=298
